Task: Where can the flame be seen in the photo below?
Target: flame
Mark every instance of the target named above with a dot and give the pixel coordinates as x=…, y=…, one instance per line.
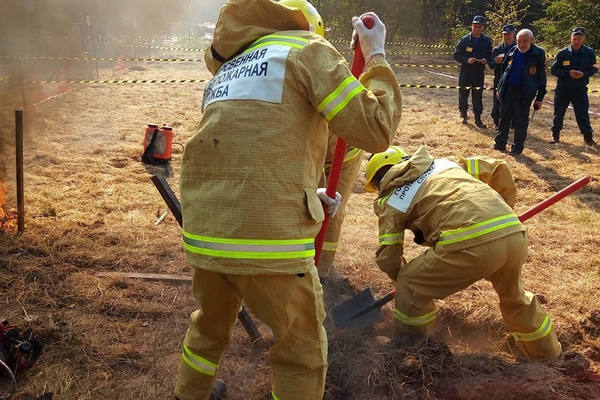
x=8, y=219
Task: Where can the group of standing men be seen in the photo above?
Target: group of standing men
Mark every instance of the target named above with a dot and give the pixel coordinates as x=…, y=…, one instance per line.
x=520, y=80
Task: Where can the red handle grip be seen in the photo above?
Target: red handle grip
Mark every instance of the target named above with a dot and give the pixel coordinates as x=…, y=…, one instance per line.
x=578, y=184
x=358, y=63
x=358, y=66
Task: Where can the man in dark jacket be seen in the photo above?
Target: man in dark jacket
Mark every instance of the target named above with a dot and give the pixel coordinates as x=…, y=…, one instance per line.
x=508, y=34
x=472, y=52
x=523, y=79
x=573, y=66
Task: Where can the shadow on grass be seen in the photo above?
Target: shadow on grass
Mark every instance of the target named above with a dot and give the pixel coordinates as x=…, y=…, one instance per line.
x=589, y=196
x=360, y=368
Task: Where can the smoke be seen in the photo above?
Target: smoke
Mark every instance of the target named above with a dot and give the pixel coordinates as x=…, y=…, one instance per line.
x=58, y=28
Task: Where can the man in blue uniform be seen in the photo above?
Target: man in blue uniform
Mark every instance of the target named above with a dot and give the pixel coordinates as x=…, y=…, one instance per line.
x=573, y=66
x=523, y=79
x=473, y=52
x=508, y=34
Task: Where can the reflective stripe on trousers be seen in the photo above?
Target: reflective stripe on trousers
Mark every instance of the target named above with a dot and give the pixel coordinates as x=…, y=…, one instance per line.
x=337, y=100
x=350, y=155
x=539, y=333
x=389, y=239
x=198, y=363
x=478, y=229
x=257, y=249
x=418, y=320
x=329, y=246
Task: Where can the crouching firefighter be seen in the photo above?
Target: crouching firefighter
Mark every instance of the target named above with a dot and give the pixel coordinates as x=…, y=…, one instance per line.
x=249, y=184
x=456, y=209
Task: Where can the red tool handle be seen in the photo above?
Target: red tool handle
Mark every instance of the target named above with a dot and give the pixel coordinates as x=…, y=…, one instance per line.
x=578, y=184
x=358, y=66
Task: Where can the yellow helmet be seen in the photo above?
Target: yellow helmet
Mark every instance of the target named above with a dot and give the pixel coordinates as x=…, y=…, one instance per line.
x=393, y=155
x=315, y=22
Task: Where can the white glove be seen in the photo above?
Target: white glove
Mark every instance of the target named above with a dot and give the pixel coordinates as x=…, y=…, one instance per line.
x=372, y=41
x=332, y=204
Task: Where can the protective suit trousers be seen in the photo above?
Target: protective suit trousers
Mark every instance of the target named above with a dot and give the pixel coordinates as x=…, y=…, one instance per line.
x=581, y=105
x=438, y=273
x=348, y=175
x=291, y=305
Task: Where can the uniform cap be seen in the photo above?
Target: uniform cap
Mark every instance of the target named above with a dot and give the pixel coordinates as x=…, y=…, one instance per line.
x=479, y=19
x=579, y=31
x=508, y=28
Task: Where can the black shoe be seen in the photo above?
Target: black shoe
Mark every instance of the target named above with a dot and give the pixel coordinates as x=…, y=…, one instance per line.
x=480, y=123
x=514, y=153
x=554, y=141
x=591, y=143
x=464, y=118
x=500, y=149
x=219, y=391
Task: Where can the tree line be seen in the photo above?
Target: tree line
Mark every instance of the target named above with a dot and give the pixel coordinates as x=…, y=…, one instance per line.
x=444, y=21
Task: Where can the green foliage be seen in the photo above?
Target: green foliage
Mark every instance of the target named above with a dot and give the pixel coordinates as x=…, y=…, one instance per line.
x=502, y=12
x=564, y=15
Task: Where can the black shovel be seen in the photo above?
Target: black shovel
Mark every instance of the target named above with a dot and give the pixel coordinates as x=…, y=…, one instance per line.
x=360, y=311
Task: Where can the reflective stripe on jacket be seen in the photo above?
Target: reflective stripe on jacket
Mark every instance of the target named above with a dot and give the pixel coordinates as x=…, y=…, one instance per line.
x=250, y=172
x=448, y=205
x=495, y=173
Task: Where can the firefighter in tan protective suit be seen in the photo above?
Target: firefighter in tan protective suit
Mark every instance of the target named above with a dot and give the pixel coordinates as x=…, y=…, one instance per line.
x=251, y=209
x=350, y=168
x=465, y=215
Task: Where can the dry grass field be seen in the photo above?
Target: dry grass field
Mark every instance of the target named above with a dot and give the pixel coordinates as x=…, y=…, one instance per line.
x=91, y=207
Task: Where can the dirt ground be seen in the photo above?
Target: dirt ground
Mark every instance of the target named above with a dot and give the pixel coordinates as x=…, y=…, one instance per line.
x=92, y=208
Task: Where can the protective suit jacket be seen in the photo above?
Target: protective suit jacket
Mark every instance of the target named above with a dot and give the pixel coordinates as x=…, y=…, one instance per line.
x=250, y=172
x=443, y=204
x=493, y=172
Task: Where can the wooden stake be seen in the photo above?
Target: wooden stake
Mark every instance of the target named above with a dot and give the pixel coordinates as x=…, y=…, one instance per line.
x=20, y=183
x=147, y=277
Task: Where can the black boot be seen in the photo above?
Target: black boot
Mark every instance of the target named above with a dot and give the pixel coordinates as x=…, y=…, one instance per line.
x=219, y=391
x=463, y=115
x=591, y=143
x=479, y=122
x=555, y=138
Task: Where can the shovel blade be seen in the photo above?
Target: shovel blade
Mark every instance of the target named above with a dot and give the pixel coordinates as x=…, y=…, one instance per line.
x=352, y=315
